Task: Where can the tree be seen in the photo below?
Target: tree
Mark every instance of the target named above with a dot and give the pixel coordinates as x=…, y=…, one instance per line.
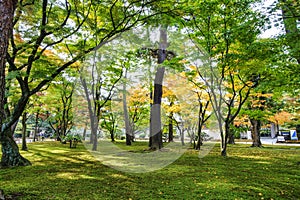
x=128, y=126
x=138, y=108
x=24, y=131
x=290, y=16
x=218, y=29
x=109, y=121
x=155, y=141
x=171, y=107
x=203, y=99
x=59, y=103
x=59, y=26
x=10, y=151
x=257, y=105
x=99, y=92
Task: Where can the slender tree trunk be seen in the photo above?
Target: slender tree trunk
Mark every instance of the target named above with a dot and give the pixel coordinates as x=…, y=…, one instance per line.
x=224, y=147
x=199, y=138
x=84, y=132
x=231, y=135
x=225, y=140
x=24, y=130
x=255, y=132
x=94, y=134
x=171, y=134
x=36, y=129
x=92, y=116
x=200, y=119
x=128, y=130
x=182, y=138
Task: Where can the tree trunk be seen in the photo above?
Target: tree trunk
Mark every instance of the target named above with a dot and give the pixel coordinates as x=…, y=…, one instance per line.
x=84, y=132
x=224, y=147
x=112, y=136
x=155, y=115
x=24, y=128
x=6, y=27
x=94, y=135
x=231, y=138
x=128, y=129
x=10, y=151
x=156, y=132
x=225, y=140
x=92, y=115
x=255, y=132
x=200, y=119
x=36, y=126
x=182, y=138
x=199, y=138
x=231, y=135
x=171, y=135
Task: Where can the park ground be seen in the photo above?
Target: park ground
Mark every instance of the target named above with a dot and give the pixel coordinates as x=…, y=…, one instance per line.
x=58, y=172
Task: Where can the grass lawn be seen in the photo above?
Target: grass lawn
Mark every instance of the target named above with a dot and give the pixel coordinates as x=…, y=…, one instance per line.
x=58, y=172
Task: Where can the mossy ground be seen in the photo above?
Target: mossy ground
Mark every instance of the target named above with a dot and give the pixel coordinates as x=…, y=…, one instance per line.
x=58, y=172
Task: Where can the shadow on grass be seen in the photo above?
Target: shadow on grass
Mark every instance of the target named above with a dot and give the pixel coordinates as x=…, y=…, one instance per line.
x=248, y=173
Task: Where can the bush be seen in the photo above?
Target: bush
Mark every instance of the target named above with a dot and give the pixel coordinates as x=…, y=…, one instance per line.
x=72, y=138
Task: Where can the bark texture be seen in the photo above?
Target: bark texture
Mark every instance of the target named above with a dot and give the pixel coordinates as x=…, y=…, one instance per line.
x=255, y=132
x=10, y=150
x=24, y=132
x=155, y=121
x=129, y=133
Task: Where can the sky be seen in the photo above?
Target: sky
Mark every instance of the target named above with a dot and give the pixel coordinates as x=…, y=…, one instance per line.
x=274, y=30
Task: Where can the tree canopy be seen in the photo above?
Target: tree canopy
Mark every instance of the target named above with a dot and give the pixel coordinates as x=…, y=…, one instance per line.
x=58, y=56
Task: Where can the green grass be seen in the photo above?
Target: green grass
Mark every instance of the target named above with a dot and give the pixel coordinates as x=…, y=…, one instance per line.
x=247, y=173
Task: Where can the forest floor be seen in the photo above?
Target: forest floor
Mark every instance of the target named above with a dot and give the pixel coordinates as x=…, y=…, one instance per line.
x=58, y=172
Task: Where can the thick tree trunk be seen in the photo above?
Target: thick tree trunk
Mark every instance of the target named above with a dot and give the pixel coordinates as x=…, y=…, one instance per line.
x=155, y=115
x=156, y=132
x=112, y=136
x=10, y=151
x=24, y=131
x=255, y=132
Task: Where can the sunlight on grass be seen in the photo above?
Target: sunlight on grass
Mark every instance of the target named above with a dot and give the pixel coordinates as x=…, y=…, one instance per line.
x=254, y=157
x=67, y=175
x=118, y=158
x=59, y=172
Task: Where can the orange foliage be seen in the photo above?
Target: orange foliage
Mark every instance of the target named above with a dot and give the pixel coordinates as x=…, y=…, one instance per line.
x=281, y=117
